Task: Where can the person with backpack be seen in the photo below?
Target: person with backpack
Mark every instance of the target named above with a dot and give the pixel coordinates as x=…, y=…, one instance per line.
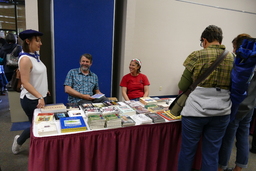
x=238, y=128
x=7, y=48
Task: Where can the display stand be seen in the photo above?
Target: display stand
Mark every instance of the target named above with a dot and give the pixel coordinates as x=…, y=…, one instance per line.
x=16, y=111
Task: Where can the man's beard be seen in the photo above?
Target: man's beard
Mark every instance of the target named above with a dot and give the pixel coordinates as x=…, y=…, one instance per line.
x=84, y=67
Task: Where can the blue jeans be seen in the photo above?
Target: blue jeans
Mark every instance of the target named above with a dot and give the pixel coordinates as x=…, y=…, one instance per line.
x=238, y=128
x=28, y=106
x=211, y=129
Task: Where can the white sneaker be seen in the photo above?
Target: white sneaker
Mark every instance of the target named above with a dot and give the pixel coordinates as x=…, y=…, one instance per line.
x=15, y=146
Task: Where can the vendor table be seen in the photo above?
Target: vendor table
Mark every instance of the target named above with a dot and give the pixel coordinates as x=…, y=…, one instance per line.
x=153, y=147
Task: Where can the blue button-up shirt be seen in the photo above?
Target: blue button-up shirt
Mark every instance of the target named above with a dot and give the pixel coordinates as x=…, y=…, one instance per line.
x=85, y=84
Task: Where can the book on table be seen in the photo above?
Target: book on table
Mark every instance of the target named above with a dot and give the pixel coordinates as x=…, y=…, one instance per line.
x=59, y=107
x=59, y=115
x=73, y=113
x=137, y=106
x=155, y=109
x=113, y=120
x=167, y=112
x=96, y=121
x=72, y=124
x=127, y=121
x=164, y=115
x=44, y=117
x=47, y=128
x=141, y=119
x=124, y=109
x=156, y=118
x=147, y=100
x=72, y=106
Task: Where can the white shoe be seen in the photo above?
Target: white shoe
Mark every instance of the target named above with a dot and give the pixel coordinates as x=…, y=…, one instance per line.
x=15, y=146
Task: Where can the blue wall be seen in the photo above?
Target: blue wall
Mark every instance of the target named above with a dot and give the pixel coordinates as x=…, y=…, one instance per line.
x=83, y=26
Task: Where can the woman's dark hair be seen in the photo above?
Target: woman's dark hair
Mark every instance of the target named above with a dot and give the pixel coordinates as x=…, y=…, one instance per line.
x=11, y=38
x=25, y=46
x=212, y=33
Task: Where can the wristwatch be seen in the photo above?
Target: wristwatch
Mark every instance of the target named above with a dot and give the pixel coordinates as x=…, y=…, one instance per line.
x=41, y=98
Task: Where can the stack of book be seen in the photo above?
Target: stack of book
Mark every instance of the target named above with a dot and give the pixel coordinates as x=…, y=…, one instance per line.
x=109, y=110
x=112, y=120
x=137, y=106
x=148, y=101
x=92, y=111
x=124, y=109
x=46, y=128
x=141, y=119
x=96, y=121
x=45, y=125
x=72, y=124
x=155, y=118
x=127, y=121
x=155, y=109
x=164, y=115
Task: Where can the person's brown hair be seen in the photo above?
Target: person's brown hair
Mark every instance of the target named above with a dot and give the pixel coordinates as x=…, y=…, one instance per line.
x=238, y=40
x=212, y=33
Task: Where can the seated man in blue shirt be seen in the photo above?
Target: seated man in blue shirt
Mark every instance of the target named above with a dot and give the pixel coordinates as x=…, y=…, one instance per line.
x=81, y=83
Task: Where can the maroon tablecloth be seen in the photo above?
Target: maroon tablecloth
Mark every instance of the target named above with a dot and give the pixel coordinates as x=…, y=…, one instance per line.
x=152, y=147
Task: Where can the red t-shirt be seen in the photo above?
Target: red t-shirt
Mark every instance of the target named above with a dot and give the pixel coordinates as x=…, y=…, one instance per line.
x=135, y=85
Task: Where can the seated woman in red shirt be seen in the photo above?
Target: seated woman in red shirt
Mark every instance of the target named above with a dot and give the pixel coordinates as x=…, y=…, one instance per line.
x=134, y=85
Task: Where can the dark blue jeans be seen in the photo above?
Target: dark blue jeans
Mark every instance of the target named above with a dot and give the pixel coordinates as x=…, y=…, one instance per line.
x=28, y=106
x=238, y=128
x=211, y=129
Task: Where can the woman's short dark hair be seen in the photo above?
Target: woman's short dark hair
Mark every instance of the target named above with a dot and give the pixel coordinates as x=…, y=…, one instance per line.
x=10, y=38
x=88, y=56
x=212, y=33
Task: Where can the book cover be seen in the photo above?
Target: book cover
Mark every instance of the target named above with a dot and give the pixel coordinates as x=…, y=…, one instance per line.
x=155, y=117
x=44, y=117
x=72, y=124
x=96, y=121
x=147, y=100
x=46, y=128
x=74, y=113
x=167, y=112
x=141, y=119
x=162, y=114
x=126, y=110
x=97, y=96
x=72, y=106
x=155, y=109
x=59, y=115
x=127, y=121
x=59, y=107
